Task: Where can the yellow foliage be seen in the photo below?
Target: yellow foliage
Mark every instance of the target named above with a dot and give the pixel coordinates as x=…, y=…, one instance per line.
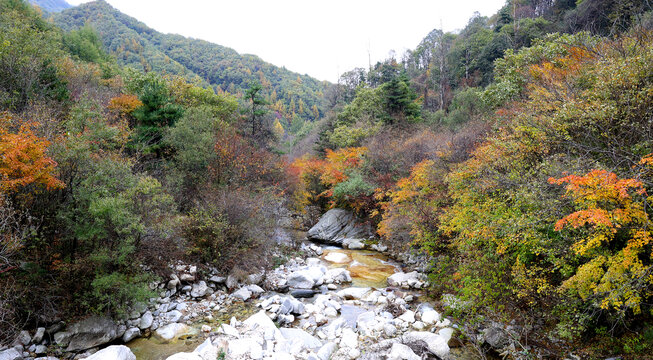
x=610, y=209
x=278, y=130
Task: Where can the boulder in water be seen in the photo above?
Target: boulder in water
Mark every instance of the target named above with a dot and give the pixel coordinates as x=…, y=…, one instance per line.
x=171, y=331
x=433, y=343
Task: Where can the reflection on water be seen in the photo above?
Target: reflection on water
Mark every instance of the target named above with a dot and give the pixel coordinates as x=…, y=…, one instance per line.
x=367, y=268
x=153, y=348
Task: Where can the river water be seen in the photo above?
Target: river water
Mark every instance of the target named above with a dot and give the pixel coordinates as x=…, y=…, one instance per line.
x=367, y=269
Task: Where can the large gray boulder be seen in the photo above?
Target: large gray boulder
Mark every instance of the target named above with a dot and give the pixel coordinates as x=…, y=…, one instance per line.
x=337, y=225
x=91, y=332
x=114, y=352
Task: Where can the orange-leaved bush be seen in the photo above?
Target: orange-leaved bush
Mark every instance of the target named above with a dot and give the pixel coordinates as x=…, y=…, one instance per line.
x=413, y=207
x=615, y=240
x=24, y=160
x=324, y=178
x=125, y=103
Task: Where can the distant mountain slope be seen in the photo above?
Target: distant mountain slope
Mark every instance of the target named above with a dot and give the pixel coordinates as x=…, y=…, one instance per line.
x=135, y=44
x=51, y=5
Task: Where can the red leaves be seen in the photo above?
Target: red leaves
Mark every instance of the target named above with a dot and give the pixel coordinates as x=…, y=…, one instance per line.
x=600, y=185
x=237, y=162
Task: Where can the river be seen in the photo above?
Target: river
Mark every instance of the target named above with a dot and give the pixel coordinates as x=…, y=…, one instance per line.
x=368, y=269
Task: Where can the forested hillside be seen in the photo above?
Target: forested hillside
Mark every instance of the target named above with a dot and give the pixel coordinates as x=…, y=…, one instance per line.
x=291, y=95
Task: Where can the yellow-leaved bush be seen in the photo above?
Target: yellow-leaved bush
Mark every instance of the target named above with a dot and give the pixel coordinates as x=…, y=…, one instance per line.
x=614, y=233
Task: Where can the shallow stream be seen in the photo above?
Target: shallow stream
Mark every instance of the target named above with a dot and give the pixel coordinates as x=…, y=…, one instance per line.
x=367, y=269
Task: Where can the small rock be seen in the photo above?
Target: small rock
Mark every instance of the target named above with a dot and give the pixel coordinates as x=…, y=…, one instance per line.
x=337, y=257
x=418, y=325
x=430, y=317
x=217, y=279
x=40, y=349
x=172, y=284
x=38, y=336
x=23, y=338
x=62, y=338
x=389, y=330
x=173, y=316
x=408, y=316
x=187, y=278
x=349, y=338
x=146, y=321
x=231, y=282
x=302, y=293
x=171, y=331
x=242, y=294
x=326, y=351
x=496, y=337
x=199, y=290
x=11, y=354
x=131, y=334
x=402, y=352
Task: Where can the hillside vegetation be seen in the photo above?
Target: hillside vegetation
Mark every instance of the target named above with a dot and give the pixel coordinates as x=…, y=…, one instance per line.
x=518, y=157
x=108, y=173
x=293, y=97
x=51, y=5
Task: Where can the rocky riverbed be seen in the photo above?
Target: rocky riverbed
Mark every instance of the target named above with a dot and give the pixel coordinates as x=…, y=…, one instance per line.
x=326, y=313
x=328, y=303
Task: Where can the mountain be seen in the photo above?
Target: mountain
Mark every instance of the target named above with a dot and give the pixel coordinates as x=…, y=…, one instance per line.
x=135, y=44
x=52, y=6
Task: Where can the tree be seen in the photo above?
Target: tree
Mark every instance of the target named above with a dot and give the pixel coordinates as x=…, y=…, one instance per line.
x=400, y=101
x=29, y=54
x=85, y=44
x=614, y=236
x=158, y=112
x=256, y=113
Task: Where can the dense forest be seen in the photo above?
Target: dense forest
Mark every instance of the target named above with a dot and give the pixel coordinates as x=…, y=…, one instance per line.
x=295, y=100
x=516, y=154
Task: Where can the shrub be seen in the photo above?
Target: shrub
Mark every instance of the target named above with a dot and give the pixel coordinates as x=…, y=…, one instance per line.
x=231, y=228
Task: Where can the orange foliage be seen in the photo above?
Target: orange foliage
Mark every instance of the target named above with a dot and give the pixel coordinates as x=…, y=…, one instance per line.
x=24, y=161
x=125, y=104
x=338, y=162
x=318, y=177
x=611, y=210
x=414, y=204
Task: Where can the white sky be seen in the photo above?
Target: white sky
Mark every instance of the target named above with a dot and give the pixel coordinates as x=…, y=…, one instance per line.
x=319, y=38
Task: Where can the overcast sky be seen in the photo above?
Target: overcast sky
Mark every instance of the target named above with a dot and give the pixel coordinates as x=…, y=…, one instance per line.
x=319, y=38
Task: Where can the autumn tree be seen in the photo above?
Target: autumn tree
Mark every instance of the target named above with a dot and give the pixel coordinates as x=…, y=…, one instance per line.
x=25, y=170
x=614, y=239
